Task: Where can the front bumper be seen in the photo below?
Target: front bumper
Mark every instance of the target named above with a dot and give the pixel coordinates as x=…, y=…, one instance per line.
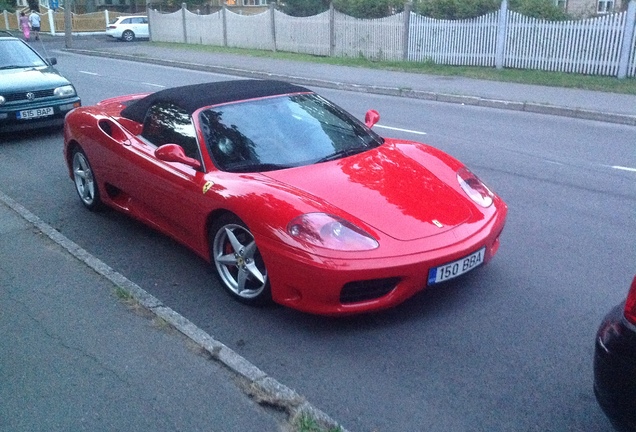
x=615, y=370
x=311, y=284
x=10, y=122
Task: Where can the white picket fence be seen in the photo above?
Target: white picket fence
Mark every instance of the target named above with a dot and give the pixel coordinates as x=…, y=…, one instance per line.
x=590, y=46
x=461, y=42
x=605, y=45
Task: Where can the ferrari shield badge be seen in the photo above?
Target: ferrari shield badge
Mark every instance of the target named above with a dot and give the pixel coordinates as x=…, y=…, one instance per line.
x=207, y=186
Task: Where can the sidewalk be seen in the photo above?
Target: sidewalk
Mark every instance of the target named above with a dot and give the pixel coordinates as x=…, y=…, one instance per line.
x=75, y=356
x=584, y=104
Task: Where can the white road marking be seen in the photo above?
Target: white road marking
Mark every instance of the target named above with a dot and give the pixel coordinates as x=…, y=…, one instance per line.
x=622, y=168
x=400, y=129
x=145, y=83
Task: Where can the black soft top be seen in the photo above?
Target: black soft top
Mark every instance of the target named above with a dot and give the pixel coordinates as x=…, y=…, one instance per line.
x=193, y=97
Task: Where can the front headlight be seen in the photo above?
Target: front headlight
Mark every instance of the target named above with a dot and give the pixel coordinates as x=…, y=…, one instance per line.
x=474, y=188
x=64, y=91
x=2, y=100
x=330, y=232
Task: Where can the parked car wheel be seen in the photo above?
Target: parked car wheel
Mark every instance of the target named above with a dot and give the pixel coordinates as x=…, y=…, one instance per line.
x=85, y=183
x=128, y=36
x=238, y=262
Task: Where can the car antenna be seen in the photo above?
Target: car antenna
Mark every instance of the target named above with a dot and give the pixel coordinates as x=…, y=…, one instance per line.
x=46, y=54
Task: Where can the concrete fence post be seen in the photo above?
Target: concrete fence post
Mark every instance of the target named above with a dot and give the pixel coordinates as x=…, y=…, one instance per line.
x=224, y=17
x=272, y=12
x=406, y=31
x=106, y=17
x=148, y=13
x=6, y=19
x=68, y=24
x=184, y=8
x=502, y=31
x=628, y=34
x=332, y=30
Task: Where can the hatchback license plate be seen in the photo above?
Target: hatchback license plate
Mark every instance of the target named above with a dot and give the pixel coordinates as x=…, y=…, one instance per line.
x=456, y=268
x=35, y=113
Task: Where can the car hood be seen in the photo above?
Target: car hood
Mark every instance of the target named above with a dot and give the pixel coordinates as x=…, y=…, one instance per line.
x=16, y=80
x=386, y=189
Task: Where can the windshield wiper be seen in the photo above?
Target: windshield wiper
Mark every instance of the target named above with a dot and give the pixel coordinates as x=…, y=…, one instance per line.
x=15, y=67
x=257, y=167
x=342, y=154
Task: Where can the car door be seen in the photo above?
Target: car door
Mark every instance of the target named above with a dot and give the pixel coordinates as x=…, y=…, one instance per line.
x=140, y=27
x=169, y=195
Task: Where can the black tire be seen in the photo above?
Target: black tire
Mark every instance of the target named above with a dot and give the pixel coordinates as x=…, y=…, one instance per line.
x=84, y=179
x=128, y=36
x=237, y=261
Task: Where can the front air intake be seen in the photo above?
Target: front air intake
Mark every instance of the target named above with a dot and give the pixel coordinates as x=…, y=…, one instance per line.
x=358, y=291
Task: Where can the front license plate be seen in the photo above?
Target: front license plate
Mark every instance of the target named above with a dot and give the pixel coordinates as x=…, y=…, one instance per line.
x=35, y=113
x=456, y=268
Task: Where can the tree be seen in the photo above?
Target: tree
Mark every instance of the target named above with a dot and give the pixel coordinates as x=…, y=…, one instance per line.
x=8, y=5
x=34, y=5
x=440, y=9
x=543, y=9
x=369, y=8
x=456, y=9
x=464, y=9
x=303, y=8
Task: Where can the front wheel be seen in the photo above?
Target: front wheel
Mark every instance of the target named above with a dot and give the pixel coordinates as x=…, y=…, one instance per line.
x=128, y=36
x=84, y=179
x=238, y=262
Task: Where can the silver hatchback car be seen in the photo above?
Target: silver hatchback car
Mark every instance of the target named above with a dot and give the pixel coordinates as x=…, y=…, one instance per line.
x=129, y=28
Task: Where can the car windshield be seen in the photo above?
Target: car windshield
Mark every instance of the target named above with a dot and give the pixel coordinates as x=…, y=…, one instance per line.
x=282, y=132
x=15, y=54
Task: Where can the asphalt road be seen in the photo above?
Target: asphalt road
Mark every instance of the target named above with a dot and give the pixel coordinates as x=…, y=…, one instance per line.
x=506, y=348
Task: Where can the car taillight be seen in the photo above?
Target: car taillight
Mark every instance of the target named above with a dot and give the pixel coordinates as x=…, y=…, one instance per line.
x=112, y=27
x=630, y=304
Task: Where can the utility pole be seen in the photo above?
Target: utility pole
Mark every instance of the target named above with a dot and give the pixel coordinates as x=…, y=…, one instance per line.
x=68, y=24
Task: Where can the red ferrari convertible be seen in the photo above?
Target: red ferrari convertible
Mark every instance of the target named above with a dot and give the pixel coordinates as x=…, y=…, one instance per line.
x=288, y=196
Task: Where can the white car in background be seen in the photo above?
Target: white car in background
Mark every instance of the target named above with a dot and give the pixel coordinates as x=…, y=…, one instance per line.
x=129, y=28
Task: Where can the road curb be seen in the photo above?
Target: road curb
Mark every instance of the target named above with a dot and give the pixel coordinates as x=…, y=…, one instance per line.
x=262, y=388
x=531, y=107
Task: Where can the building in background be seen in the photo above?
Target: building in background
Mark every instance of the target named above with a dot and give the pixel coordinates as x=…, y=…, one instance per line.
x=590, y=8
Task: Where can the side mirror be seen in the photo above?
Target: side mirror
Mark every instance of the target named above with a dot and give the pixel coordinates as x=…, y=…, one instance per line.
x=51, y=61
x=371, y=118
x=175, y=153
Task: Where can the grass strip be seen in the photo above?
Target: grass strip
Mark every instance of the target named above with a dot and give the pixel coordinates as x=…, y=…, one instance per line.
x=521, y=76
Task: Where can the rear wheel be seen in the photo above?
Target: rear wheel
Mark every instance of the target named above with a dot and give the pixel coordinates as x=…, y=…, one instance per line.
x=128, y=36
x=238, y=262
x=85, y=183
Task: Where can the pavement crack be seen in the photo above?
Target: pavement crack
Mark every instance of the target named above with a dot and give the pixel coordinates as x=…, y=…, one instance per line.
x=62, y=342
